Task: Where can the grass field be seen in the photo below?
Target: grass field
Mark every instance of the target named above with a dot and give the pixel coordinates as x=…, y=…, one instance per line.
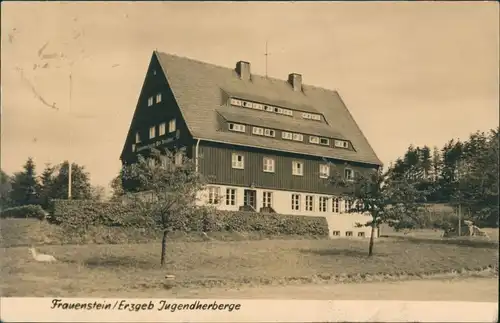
x=111, y=269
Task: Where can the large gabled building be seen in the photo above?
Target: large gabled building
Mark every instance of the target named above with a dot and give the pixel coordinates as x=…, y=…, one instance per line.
x=266, y=144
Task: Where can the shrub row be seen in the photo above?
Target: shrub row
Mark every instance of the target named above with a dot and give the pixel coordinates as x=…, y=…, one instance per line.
x=85, y=214
x=23, y=212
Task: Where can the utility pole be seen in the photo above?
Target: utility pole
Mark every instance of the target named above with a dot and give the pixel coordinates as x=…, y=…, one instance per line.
x=266, y=54
x=69, y=135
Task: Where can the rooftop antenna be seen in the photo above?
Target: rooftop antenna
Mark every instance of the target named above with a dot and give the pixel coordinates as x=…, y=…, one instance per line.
x=266, y=54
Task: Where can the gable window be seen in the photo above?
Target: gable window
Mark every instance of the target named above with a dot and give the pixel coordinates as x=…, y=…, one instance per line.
x=150, y=101
x=258, y=131
x=162, y=129
x=154, y=72
x=267, y=199
x=297, y=168
x=230, y=196
x=309, y=202
x=323, y=203
x=349, y=174
x=296, y=202
x=171, y=126
x=286, y=135
x=133, y=148
x=324, y=141
x=341, y=144
x=236, y=127
x=158, y=98
x=298, y=137
x=137, y=138
x=314, y=140
x=268, y=165
x=152, y=132
x=213, y=195
x=324, y=171
x=269, y=132
x=238, y=161
x=236, y=102
x=335, y=205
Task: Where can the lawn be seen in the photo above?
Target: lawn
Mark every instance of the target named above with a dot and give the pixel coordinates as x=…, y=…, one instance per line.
x=106, y=268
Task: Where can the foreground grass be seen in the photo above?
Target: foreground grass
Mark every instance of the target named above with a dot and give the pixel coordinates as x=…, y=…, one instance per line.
x=95, y=269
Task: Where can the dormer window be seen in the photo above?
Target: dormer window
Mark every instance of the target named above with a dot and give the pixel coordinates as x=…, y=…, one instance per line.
x=236, y=127
x=324, y=141
x=268, y=108
x=298, y=137
x=269, y=133
x=341, y=144
x=236, y=102
x=258, y=131
x=257, y=106
x=247, y=104
x=316, y=117
x=286, y=135
x=314, y=140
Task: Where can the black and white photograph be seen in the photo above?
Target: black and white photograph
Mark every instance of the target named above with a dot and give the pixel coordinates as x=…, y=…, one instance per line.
x=342, y=150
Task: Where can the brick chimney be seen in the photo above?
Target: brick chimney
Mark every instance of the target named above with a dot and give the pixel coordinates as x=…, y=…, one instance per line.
x=295, y=81
x=243, y=70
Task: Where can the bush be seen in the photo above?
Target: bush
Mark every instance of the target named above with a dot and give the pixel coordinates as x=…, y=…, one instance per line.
x=83, y=214
x=23, y=212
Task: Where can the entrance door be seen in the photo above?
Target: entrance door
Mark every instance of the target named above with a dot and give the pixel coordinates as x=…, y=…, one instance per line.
x=250, y=197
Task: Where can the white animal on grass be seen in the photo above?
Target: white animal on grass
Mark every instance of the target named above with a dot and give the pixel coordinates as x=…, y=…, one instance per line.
x=41, y=257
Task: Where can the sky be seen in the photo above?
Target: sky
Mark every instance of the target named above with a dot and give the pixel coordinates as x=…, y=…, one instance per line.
x=416, y=73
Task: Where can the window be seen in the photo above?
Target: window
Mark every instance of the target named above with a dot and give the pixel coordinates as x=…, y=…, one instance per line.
x=309, y=203
x=236, y=102
x=154, y=72
x=267, y=199
x=152, y=132
x=361, y=234
x=133, y=147
x=238, y=161
x=324, y=171
x=336, y=233
x=258, y=106
x=306, y=115
x=236, y=127
x=258, y=131
x=297, y=168
x=158, y=98
x=316, y=117
x=298, y=137
x=341, y=144
x=323, y=203
x=150, y=101
x=213, y=195
x=335, y=205
x=314, y=140
x=296, y=202
x=286, y=135
x=348, y=233
x=178, y=159
x=137, y=138
x=269, y=133
x=348, y=205
x=162, y=129
x=268, y=108
x=287, y=112
x=230, y=196
x=279, y=110
x=349, y=174
x=171, y=126
x=268, y=165
x=324, y=141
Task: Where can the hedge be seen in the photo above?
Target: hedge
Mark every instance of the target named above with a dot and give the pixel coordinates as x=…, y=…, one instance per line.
x=23, y=212
x=89, y=213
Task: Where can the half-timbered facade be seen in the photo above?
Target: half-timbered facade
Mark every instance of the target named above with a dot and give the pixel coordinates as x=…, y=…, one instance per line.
x=267, y=145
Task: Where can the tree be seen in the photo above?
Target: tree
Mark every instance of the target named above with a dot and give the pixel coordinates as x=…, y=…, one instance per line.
x=168, y=189
x=117, y=187
x=5, y=189
x=46, y=185
x=387, y=199
x=25, y=188
x=97, y=193
x=80, y=182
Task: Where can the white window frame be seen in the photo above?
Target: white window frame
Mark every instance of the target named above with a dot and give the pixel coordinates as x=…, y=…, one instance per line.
x=314, y=139
x=150, y=101
x=268, y=108
x=341, y=144
x=336, y=205
x=316, y=117
x=158, y=97
x=258, y=131
x=230, y=196
x=152, y=132
x=324, y=171
x=172, y=126
x=257, y=106
x=287, y=135
x=213, y=195
x=236, y=102
x=268, y=164
x=310, y=203
x=162, y=129
x=349, y=178
x=297, y=137
x=323, y=204
x=288, y=112
x=295, y=202
x=297, y=168
x=269, y=133
x=325, y=143
x=236, y=127
x=267, y=199
x=247, y=104
x=237, y=161
x=137, y=137
x=306, y=115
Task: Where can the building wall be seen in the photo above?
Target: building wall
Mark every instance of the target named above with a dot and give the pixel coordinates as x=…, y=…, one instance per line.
x=282, y=204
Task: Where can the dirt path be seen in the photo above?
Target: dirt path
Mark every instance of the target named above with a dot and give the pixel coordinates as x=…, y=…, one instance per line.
x=461, y=289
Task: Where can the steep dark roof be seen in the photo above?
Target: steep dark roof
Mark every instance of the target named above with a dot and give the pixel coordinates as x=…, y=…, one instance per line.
x=199, y=89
